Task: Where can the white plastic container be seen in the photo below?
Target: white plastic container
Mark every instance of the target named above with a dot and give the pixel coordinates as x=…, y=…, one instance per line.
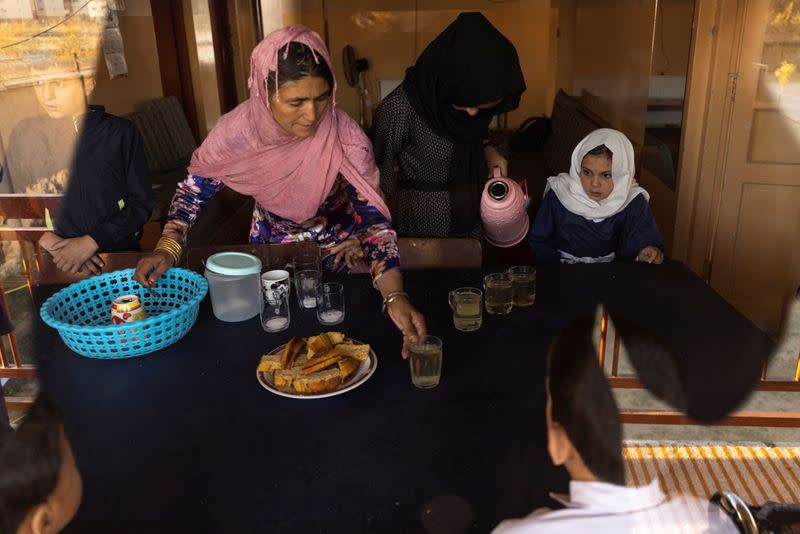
x=233, y=282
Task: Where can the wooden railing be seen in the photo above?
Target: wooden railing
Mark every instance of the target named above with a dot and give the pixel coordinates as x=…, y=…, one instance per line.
x=15, y=210
x=670, y=417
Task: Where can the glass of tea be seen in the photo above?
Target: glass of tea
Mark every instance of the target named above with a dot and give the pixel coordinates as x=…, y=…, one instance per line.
x=523, y=285
x=467, y=306
x=498, y=293
x=425, y=362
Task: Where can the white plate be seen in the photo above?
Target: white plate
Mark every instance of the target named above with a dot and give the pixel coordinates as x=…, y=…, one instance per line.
x=362, y=374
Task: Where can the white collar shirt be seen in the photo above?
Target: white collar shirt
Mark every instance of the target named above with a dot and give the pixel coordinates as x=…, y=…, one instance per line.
x=602, y=507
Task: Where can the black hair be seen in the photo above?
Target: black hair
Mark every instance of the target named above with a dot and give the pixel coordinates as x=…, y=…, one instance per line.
x=582, y=402
x=301, y=62
x=601, y=150
x=30, y=462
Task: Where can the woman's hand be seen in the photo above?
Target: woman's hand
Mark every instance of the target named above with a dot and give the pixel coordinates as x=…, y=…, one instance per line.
x=70, y=255
x=408, y=320
x=650, y=254
x=348, y=250
x=495, y=159
x=151, y=267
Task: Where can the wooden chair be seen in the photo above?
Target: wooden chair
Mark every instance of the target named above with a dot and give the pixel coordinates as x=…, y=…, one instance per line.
x=20, y=207
x=27, y=207
x=44, y=271
x=444, y=253
x=415, y=253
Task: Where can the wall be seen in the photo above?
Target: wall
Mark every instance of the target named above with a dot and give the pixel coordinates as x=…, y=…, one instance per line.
x=243, y=37
x=614, y=66
x=672, y=37
x=565, y=20
x=203, y=63
x=125, y=94
x=390, y=34
x=276, y=14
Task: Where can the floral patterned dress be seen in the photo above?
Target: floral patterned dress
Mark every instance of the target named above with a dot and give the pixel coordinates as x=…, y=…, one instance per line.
x=344, y=213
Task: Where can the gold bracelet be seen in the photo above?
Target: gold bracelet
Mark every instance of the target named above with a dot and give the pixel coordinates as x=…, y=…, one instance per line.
x=171, y=246
x=391, y=297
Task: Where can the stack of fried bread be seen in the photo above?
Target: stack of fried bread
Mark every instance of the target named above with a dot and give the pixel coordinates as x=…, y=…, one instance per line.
x=318, y=364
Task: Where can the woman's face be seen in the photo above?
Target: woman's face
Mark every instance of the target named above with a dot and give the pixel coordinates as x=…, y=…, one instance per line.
x=472, y=111
x=298, y=106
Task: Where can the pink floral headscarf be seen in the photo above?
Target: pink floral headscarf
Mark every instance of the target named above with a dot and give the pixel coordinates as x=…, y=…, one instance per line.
x=288, y=176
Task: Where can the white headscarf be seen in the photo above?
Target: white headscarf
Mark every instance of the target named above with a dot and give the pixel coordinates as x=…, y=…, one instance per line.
x=569, y=190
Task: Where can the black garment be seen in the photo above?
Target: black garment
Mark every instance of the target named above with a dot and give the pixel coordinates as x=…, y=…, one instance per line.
x=422, y=156
x=470, y=63
x=108, y=194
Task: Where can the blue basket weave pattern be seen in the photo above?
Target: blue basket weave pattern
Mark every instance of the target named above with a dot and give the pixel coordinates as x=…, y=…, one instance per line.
x=82, y=313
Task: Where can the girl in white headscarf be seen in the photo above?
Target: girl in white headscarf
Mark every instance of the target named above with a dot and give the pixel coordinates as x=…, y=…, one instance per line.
x=596, y=212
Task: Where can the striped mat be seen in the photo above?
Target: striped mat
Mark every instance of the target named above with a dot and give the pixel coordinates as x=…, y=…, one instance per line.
x=755, y=472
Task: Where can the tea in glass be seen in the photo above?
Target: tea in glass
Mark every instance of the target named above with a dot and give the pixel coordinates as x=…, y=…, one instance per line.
x=498, y=293
x=467, y=308
x=523, y=285
x=425, y=362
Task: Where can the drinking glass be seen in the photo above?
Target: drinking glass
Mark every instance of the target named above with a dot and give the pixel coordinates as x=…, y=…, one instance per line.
x=305, y=261
x=425, y=362
x=306, y=284
x=275, y=316
x=523, y=285
x=498, y=293
x=330, y=303
x=467, y=308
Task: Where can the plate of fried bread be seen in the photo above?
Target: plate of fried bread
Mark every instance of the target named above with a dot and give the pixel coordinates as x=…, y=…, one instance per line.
x=316, y=367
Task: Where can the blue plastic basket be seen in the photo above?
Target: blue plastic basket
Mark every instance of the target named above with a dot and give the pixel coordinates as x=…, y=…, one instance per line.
x=82, y=313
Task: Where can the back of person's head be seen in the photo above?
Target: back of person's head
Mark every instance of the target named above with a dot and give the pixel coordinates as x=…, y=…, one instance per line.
x=40, y=488
x=298, y=63
x=581, y=404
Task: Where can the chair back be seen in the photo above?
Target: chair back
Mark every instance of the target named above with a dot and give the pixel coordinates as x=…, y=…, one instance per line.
x=272, y=256
x=16, y=207
x=440, y=253
x=44, y=271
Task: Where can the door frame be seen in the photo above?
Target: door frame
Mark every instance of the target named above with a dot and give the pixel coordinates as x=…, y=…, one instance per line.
x=717, y=40
x=173, y=57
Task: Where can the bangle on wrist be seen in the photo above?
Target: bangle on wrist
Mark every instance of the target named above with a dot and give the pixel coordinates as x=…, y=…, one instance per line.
x=391, y=297
x=170, y=246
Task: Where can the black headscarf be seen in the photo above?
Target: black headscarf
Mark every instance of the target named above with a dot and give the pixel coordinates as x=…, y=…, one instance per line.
x=470, y=63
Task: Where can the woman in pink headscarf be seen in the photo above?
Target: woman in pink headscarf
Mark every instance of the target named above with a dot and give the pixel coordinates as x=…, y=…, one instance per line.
x=308, y=165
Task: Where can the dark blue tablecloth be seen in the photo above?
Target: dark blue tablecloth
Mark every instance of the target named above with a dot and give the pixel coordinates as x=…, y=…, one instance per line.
x=186, y=440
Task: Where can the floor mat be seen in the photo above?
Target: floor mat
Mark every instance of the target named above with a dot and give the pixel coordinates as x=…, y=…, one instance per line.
x=755, y=472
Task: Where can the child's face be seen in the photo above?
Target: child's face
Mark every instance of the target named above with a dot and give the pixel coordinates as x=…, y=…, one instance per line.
x=596, y=176
x=62, y=97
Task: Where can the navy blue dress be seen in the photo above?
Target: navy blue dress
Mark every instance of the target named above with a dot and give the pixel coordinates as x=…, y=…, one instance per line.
x=557, y=233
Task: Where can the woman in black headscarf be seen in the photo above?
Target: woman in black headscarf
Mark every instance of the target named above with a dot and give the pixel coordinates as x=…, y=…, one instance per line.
x=431, y=133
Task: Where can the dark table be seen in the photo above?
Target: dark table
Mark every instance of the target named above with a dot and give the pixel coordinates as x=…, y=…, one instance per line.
x=186, y=440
